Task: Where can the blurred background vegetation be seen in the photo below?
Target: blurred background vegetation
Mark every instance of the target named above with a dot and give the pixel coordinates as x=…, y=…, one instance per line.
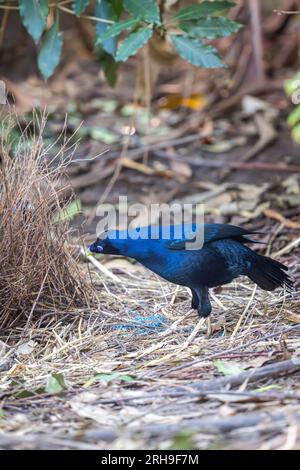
x=189, y=101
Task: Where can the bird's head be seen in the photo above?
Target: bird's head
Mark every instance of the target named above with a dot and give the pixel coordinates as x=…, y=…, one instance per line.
x=106, y=245
x=121, y=242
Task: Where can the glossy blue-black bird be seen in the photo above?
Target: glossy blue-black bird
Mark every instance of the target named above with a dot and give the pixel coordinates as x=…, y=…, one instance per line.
x=222, y=257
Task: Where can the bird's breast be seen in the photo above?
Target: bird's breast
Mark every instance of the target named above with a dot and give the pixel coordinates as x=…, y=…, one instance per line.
x=174, y=267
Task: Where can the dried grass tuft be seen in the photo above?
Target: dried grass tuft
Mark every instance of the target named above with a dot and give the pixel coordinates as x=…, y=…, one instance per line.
x=38, y=271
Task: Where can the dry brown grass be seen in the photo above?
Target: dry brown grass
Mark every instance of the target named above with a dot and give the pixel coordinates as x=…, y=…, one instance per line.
x=165, y=362
x=138, y=328
x=38, y=272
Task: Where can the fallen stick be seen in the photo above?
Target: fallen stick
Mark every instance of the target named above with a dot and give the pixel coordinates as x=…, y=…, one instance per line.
x=9, y=440
x=272, y=420
x=205, y=388
x=233, y=350
x=247, y=166
x=289, y=366
x=100, y=267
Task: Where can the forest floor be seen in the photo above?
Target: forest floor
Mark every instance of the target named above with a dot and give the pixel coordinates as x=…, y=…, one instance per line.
x=139, y=370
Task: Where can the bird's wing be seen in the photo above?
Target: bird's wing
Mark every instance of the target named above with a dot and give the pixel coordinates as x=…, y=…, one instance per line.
x=214, y=232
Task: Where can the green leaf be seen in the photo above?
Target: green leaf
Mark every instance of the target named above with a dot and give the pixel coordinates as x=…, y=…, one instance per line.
x=103, y=9
x=293, y=84
x=69, y=212
x=30, y=393
x=133, y=43
x=196, y=52
x=183, y=440
x=210, y=28
x=79, y=6
x=103, y=134
x=266, y=388
x=33, y=14
x=294, y=117
x=226, y=368
x=202, y=10
x=50, y=51
x=108, y=377
x=147, y=10
x=118, y=27
x=110, y=69
x=117, y=6
x=56, y=384
x=296, y=134
x=44, y=8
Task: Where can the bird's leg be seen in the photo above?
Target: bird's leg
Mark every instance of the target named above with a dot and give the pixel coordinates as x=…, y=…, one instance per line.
x=195, y=299
x=204, y=306
x=201, y=302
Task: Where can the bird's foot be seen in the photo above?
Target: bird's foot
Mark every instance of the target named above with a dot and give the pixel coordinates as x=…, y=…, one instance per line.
x=206, y=317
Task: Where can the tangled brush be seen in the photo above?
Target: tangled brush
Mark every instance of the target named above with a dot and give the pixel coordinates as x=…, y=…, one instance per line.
x=38, y=271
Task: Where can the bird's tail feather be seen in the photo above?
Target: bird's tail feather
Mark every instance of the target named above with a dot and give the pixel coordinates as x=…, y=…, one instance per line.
x=269, y=274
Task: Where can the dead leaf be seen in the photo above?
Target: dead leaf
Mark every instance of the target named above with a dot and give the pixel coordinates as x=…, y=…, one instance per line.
x=100, y=414
x=25, y=349
x=195, y=102
x=145, y=169
x=251, y=191
x=225, y=145
x=181, y=168
x=228, y=368
x=294, y=317
x=292, y=184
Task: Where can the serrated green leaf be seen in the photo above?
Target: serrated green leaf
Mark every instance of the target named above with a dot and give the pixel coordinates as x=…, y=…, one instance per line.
x=210, y=28
x=50, y=51
x=133, y=43
x=147, y=10
x=294, y=117
x=120, y=26
x=202, y=10
x=79, y=6
x=56, y=383
x=33, y=14
x=226, y=368
x=103, y=9
x=197, y=53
